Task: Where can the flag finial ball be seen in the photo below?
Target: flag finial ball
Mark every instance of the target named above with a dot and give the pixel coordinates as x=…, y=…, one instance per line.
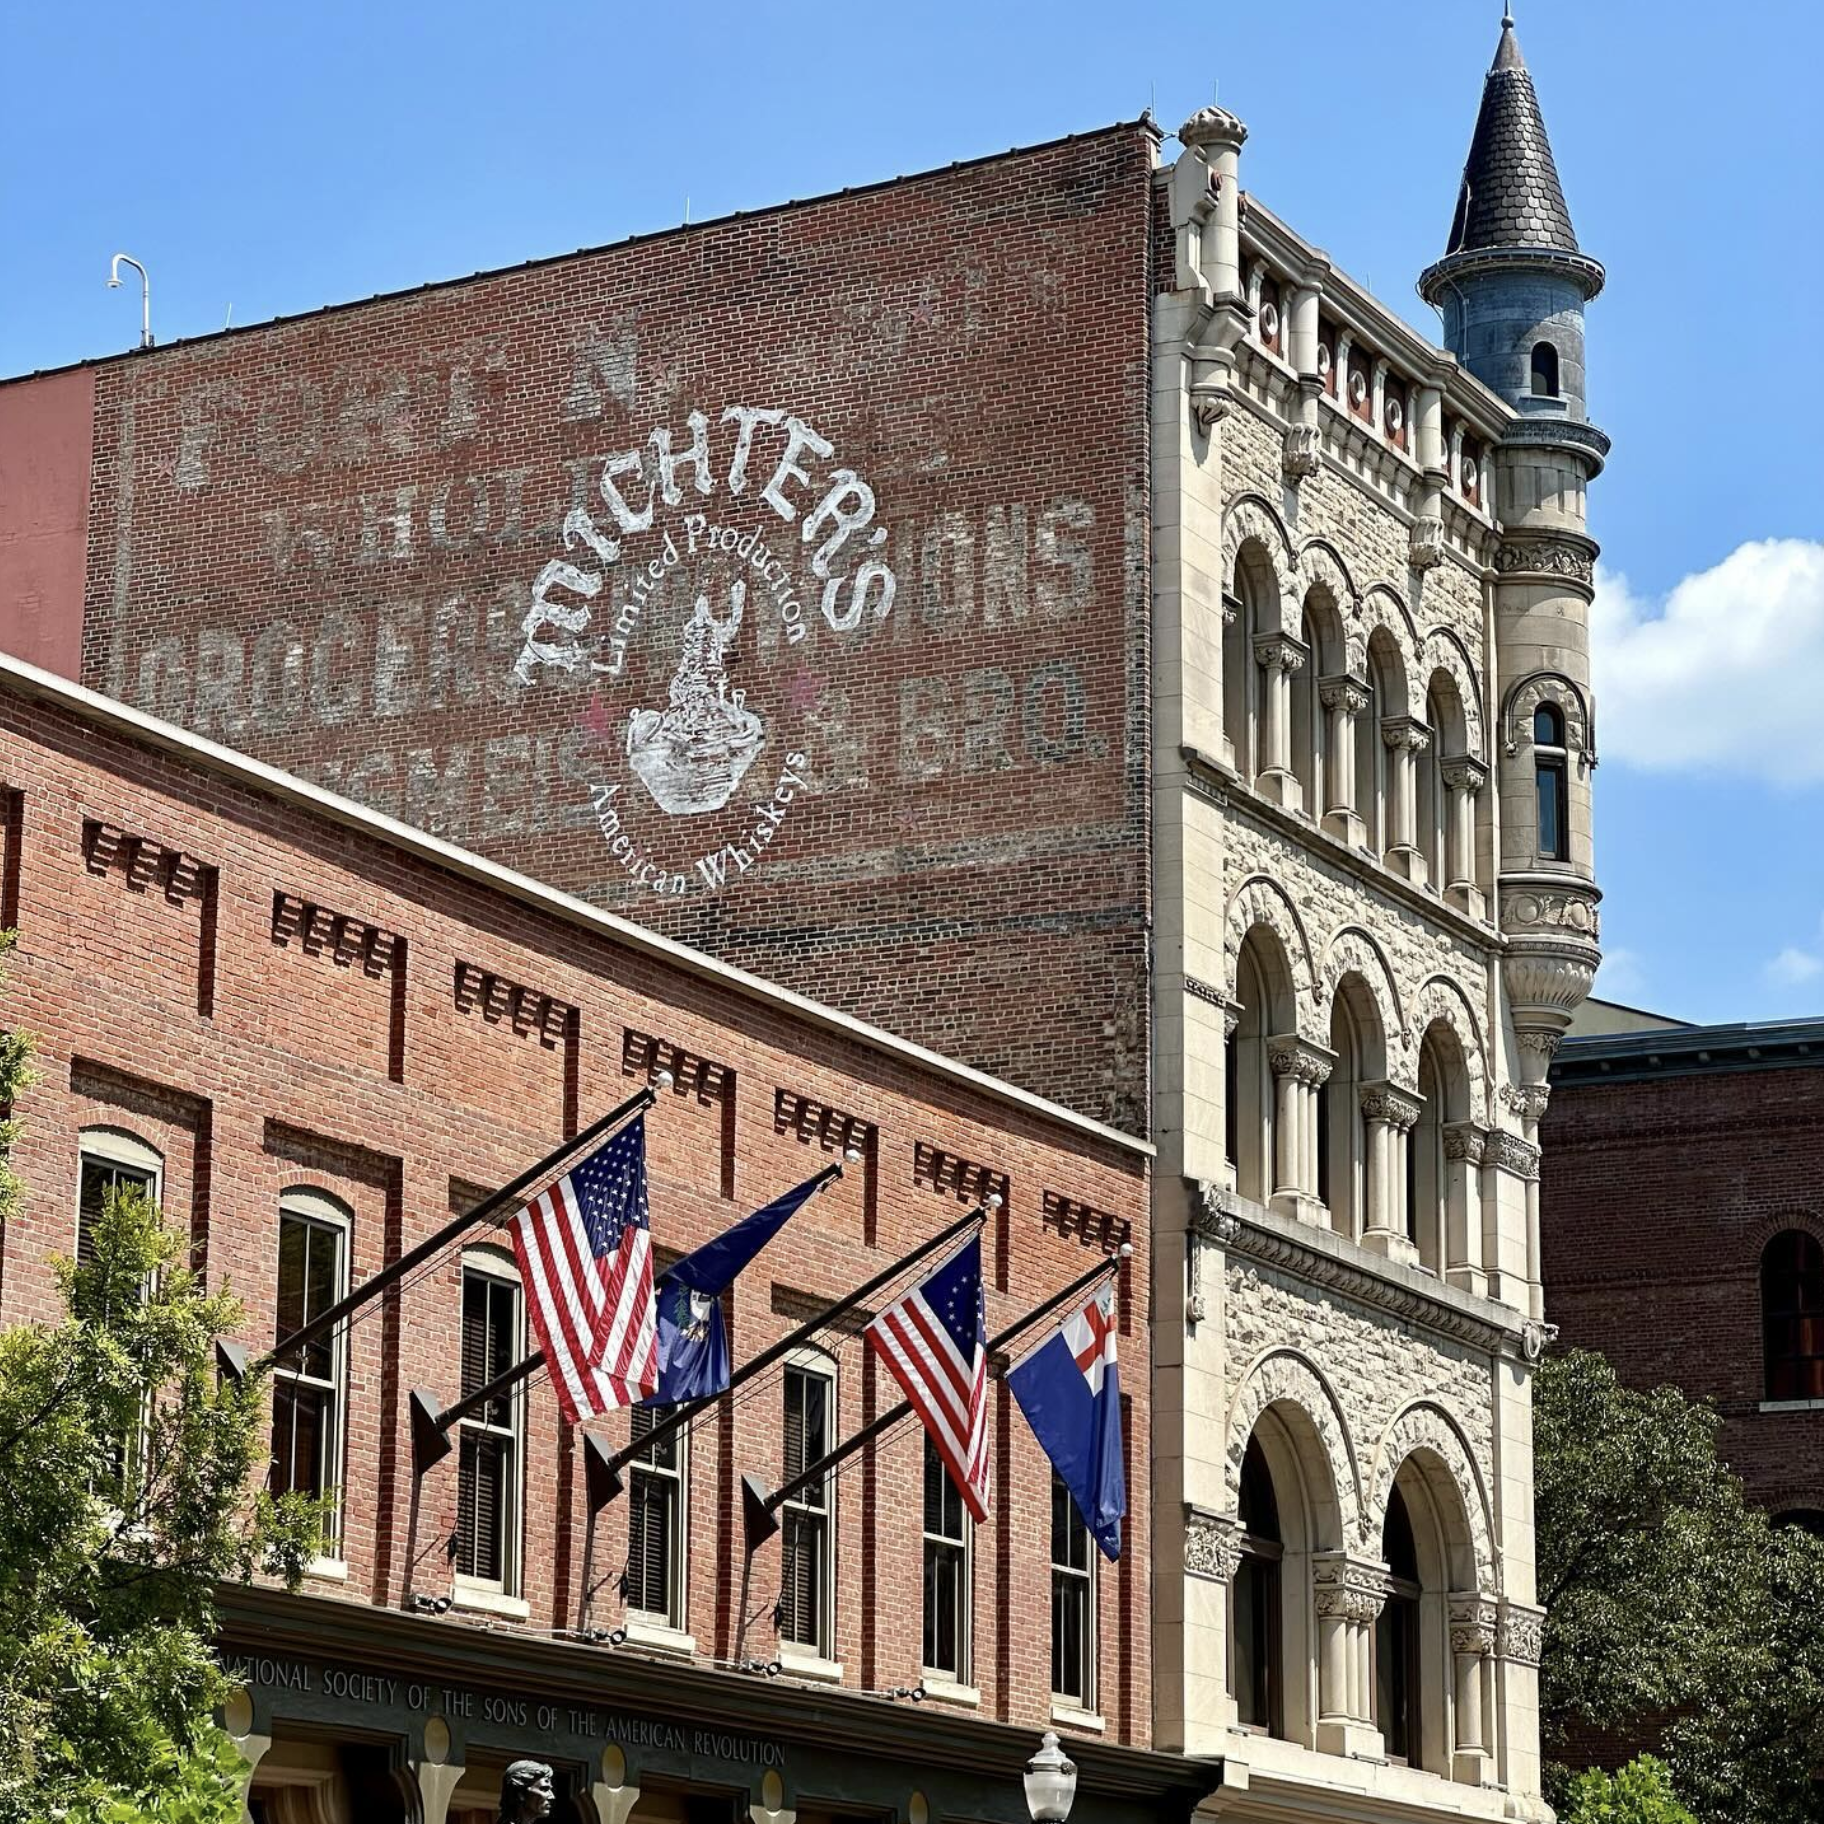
x=1127, y=1250
x=851, y=1155
x=663, y=1079
x=992, y=1201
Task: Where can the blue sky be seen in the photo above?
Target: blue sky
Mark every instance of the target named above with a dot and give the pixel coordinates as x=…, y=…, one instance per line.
x=264, y=160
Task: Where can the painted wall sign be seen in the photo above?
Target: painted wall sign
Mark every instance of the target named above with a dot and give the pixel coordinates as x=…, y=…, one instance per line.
x=651, y=572
x=294, y=1686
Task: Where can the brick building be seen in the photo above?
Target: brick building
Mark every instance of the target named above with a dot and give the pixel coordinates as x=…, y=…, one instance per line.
x=1046, y=608
x=313, y=1034
x=1683, y=1214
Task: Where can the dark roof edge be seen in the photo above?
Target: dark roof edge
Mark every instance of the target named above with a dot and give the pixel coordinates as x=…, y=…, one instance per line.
x=1690, y=1051
x=790, y=205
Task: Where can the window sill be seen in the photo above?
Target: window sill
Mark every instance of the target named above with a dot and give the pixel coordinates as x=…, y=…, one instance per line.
x=1068, y=1716
x=1790, y=1406
x=661, y=1636
x=801, y=1662
x=330, y=1570
x=942, y=1690
x=478, y=1599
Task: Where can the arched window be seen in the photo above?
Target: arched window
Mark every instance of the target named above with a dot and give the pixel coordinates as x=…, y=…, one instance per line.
x=1792, y=1316
x=1545, y=371
x=1237, y=676
x=1308, y=720
x=111, y=1159
x=1263, y=986
x=1355, y=1038
x=310, y=1385
x=491, y=1470
x=1552, y=778
x=1396, y=1638
x=1258, y=1614
x=1425, y=1179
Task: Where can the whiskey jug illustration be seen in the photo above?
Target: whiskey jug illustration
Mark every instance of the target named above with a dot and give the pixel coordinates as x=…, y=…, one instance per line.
x=693, y=754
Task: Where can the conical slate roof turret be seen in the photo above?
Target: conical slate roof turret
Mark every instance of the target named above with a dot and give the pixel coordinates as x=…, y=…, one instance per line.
x=1511, y=196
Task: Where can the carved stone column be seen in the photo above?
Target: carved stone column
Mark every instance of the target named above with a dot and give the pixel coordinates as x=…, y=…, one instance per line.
x=1299, y=1071
x=1212, y=1554
x=1390, y=1114
x=1472, y=1646
x=1463, y=779
x=1463, y=1148
x=1343, y=700
x=1348, y=1596
x=1279, y=656
x=1405, y=738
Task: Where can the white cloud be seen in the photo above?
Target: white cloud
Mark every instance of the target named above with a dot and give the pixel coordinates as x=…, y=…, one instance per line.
x=1794, y=966
x=1726, y=676
x=1621, y=977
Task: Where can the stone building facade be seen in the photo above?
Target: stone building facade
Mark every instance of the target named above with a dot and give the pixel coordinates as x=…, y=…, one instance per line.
x=1375, y=915
x=1683, y=1217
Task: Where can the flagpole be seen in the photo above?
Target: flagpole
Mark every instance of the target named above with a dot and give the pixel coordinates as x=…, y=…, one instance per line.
x=473, y=1402
x=325, y=1322
x=759, y=1509
x=608, y=1471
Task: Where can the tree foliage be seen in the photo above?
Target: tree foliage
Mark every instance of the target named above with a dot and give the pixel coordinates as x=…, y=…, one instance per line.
x=1639, y=1793
x=125, y=1466
x=1676, y=1614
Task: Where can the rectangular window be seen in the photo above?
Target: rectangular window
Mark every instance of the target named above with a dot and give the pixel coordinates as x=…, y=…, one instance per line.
x=116, y=1161
x=1550, y=776
x=946, y=1572
x=655, y=1538
x=805, y=1584
x=1073, y=1606
x=488, y=1477
x=307, y=1386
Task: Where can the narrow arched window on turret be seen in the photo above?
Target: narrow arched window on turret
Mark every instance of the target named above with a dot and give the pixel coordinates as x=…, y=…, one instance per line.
x=1545, y=371
x=1552, y=779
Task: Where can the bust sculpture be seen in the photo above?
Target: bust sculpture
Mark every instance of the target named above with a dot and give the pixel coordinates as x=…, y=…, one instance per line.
x=526, y=1793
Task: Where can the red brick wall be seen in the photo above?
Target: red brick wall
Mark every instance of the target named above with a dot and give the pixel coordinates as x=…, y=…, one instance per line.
x=341, y=1047
x=1657, y=1199
x=319, y=541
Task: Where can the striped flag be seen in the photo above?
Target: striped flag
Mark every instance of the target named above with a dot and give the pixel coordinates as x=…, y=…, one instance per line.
x=585, y=1252
x=935, y=1345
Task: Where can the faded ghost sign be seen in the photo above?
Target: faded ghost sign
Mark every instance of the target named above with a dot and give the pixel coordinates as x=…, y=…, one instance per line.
x=682, y=541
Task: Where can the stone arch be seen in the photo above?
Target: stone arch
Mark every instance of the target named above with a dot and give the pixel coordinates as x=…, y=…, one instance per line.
x=1427, y=1431
x=1283, y=1378
x=1443, y=651
x=1260, y=900
x=1573, y=701
x=1442, y=1001
x=1383, y=606
x=1353, y=950
x=1320, y=565
x=1252, y=520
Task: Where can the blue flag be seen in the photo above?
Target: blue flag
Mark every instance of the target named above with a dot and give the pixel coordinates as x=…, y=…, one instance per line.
x=693, y=1347
x=1070, y=1392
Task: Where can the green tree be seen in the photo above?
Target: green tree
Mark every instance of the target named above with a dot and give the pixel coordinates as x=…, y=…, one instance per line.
x=1676, y=1615
x=125, y=1471
x=1640, y=1793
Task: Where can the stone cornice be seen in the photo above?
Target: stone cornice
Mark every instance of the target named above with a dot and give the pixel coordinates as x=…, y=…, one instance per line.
x=1360, y=311
x=1221, y=786
x=1322, y=1259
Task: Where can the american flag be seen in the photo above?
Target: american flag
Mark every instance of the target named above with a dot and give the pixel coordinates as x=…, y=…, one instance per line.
x=935, y=1344
x=585, y=1252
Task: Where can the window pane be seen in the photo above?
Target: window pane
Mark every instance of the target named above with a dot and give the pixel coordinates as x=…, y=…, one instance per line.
x=805, y=1539
x=98, y=1178
x=1548, y=726
x=651, y=1539
x=483, y=1481
x=1070, y=1598
x=1550, y=778
x=300, y=1415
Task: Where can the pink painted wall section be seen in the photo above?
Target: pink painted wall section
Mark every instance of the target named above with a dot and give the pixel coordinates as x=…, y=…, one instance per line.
x=46, y=434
